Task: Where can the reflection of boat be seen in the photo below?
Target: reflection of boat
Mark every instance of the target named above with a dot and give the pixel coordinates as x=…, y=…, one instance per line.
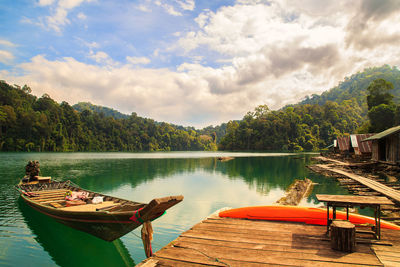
x=110, y=219
x=307, y=215
x=68, y=247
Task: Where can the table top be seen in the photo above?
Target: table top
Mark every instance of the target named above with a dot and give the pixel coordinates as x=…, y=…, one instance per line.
x=361, y=200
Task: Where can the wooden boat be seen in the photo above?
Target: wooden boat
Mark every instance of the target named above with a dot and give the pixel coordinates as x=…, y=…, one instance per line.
x=108, y=220
x=308, y=215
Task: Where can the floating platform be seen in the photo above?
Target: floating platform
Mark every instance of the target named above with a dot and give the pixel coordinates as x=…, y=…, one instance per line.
x=239, y=242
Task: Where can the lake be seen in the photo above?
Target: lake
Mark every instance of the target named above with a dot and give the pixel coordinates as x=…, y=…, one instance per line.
x=28, y=238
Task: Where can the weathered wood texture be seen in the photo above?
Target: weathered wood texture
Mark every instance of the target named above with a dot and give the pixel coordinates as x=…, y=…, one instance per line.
x=343, y=236
x=378, y=187
x=90, y=207
x=236, y=242
x=358, y=200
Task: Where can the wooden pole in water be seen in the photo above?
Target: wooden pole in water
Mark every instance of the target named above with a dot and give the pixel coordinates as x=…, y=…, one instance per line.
x=147, y=237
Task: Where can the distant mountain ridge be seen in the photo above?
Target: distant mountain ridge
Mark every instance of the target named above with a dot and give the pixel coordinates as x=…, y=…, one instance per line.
x=316, y=121
x=108, y=112
x=355, y=86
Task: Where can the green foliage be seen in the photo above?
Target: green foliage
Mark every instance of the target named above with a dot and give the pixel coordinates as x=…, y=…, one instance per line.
x=315, y=122
x=303, y=127
x=355, y=87
x=381, y=117
x=382, y=112
x=108, y=112
x=28, y=123
x=379, y=93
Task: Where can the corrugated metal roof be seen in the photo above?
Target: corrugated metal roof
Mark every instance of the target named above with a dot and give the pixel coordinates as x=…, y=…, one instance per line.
x=364, y=147
x=384, y=134
x=344, y=143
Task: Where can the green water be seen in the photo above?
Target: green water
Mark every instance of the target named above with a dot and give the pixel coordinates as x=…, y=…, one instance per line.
x=28, y=238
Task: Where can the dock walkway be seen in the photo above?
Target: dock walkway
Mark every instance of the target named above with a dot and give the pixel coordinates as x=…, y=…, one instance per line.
x=374, y=185
x=238, y=242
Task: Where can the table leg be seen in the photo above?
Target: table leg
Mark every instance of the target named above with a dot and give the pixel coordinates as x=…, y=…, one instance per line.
x=327, y=218
x=334, y=212
x=379, y=222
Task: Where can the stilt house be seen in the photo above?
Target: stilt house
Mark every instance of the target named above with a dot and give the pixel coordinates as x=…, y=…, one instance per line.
x=344, y=145
x=361, y=149
x=386, y=146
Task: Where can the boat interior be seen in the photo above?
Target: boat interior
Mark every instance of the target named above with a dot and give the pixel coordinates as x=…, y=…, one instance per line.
x=55, y=195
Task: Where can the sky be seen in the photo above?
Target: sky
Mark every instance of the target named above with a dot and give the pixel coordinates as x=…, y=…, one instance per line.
x=191, y=62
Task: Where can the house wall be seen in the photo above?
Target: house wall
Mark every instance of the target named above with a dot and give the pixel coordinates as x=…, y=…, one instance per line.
x=392, y=148
x=375, y=150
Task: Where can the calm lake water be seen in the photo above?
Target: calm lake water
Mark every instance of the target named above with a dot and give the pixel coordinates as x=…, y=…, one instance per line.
x=28, y=238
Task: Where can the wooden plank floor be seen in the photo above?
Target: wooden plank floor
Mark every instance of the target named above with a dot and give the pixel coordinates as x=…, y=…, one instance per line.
x=376, y=186
x=236, y=242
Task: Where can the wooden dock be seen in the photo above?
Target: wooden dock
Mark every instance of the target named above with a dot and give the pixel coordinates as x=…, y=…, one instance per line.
x=374, y=185
x=238, y=242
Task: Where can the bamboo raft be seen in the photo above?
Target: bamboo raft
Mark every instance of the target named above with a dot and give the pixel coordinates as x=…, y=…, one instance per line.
x=237, y=242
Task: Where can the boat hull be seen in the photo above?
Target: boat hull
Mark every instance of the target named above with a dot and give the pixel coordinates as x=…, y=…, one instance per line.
x=308, y=215
x=104, y=225
x=109, y=222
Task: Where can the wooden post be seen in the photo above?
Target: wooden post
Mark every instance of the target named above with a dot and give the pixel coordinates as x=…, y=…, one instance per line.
x=343, y=236
x=147, y=237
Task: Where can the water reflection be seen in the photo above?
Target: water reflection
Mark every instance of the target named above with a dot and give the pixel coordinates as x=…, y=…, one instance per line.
x=260, y=173
x=206, y=183
x=68, y=247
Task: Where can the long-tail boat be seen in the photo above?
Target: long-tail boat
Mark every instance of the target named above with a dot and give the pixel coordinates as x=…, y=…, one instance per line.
x=107, y=218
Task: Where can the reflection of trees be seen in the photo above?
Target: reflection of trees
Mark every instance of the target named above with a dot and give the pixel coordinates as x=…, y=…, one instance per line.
x=261, y=173
x=69, y=247
x=108, y=174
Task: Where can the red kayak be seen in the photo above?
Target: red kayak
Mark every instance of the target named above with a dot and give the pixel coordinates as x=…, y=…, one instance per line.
x=306, y=215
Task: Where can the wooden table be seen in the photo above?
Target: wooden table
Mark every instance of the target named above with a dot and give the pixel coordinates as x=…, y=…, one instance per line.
x=346, y=201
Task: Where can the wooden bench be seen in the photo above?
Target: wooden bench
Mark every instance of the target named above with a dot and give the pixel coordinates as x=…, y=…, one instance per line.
x=91, y=207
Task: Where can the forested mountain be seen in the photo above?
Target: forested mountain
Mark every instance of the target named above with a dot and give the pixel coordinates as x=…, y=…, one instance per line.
x=28, y=123
x=108, y=112
x=315, y=122
x=355, y=87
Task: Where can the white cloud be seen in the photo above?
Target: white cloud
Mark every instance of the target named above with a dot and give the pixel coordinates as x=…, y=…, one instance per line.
x=90, y=45
x=186, y=4
x=170, y=9
x=289, y=48
x=59, y=14
x=143, y=8
x=138, y=60
x=102, y=58
x=164, y=95
x=6, y=57
x=81, y=16
x=45, y=2
x=7, y=43
x=240, y=56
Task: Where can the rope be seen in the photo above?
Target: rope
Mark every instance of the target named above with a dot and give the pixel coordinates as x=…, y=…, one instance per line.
x=210, y=257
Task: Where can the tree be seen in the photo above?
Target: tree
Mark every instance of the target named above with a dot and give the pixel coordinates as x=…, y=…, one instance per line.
x=381, y=117
x=379, y=93
x=381, y=109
